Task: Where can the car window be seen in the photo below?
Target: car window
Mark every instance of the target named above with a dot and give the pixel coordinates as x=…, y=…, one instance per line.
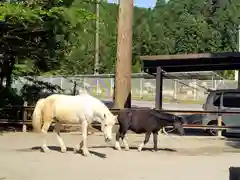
x=217, y=99
x=231, y=99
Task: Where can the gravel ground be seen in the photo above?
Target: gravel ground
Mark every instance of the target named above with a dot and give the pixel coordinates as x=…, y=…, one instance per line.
x=181, y=158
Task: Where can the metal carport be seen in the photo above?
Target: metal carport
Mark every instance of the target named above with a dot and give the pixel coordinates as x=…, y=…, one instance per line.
x=157, y=65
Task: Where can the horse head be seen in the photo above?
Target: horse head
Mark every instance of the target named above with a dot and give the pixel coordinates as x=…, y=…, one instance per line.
x=107, y=124
x=178, y=124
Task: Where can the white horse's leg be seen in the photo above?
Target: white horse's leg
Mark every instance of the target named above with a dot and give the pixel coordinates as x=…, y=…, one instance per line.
x=84, y=141
x=59, y=138
x=78, y=147
x=45, y=128
x=83, y=144
x=147, y=137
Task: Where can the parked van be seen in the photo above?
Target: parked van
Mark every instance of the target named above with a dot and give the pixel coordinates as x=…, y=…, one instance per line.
x=222, y=100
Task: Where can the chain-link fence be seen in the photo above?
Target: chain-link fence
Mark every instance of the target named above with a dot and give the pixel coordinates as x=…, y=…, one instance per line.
x=144, y=89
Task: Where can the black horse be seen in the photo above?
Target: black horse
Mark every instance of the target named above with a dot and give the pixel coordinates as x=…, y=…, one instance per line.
x=146, y=121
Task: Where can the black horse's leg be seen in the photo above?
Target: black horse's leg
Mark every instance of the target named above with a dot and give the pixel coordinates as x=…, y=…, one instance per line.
x=155, y=141
x=117, y=144
x=147, y=137
x=124, y=139
x=121, y=134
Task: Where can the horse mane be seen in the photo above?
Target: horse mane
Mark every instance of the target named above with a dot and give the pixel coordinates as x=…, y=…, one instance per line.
x=173, y=116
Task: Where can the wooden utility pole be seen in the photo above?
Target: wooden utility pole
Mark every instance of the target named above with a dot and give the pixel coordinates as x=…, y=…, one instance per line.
x=122, y=88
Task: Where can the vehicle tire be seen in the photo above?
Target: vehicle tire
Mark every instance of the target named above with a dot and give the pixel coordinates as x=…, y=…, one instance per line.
x=213, y=132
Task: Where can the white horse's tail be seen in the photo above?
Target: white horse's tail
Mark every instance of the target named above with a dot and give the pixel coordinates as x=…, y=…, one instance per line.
x=37, y=115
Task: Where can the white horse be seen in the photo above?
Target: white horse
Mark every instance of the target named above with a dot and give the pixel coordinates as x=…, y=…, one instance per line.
x=83, y=109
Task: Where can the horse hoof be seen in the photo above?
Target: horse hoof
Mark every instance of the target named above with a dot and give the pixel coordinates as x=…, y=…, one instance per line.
x=127, y=149
x=86, y=154
x=45, y=150
x=76, y=149
x=139, y=149
x=118, y=148
x=63, y=150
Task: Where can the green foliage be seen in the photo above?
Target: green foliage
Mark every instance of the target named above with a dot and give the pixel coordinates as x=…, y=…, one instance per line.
x=43, y=35
x=35, y=89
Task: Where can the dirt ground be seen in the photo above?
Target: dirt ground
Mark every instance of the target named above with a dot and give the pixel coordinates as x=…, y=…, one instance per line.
x=180, y=158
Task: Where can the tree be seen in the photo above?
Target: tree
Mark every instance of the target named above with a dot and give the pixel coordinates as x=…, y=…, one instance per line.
x=58, y=36
x=38, y=34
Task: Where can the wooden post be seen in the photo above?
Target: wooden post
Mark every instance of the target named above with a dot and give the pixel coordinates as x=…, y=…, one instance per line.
x=159, y=86
x=24, y=128
x=238, y=71
x=219, y=132
x=238, y=81
x=234, y=173
x=123, y=72
x=111, y=86
x=74, y=88
x=175, y=91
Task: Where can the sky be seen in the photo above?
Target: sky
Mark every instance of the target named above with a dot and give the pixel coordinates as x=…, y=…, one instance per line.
x=140, y=3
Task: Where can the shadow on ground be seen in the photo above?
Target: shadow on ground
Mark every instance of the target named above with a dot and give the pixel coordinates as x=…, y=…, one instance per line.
x=56, y=148
x=135, y=148
x=233, y=142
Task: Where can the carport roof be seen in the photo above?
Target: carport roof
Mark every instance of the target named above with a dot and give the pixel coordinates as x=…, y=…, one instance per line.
x=192, y=62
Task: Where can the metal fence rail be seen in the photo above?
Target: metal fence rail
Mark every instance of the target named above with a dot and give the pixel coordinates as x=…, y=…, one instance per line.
x=27, y=111
x=102, y=86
